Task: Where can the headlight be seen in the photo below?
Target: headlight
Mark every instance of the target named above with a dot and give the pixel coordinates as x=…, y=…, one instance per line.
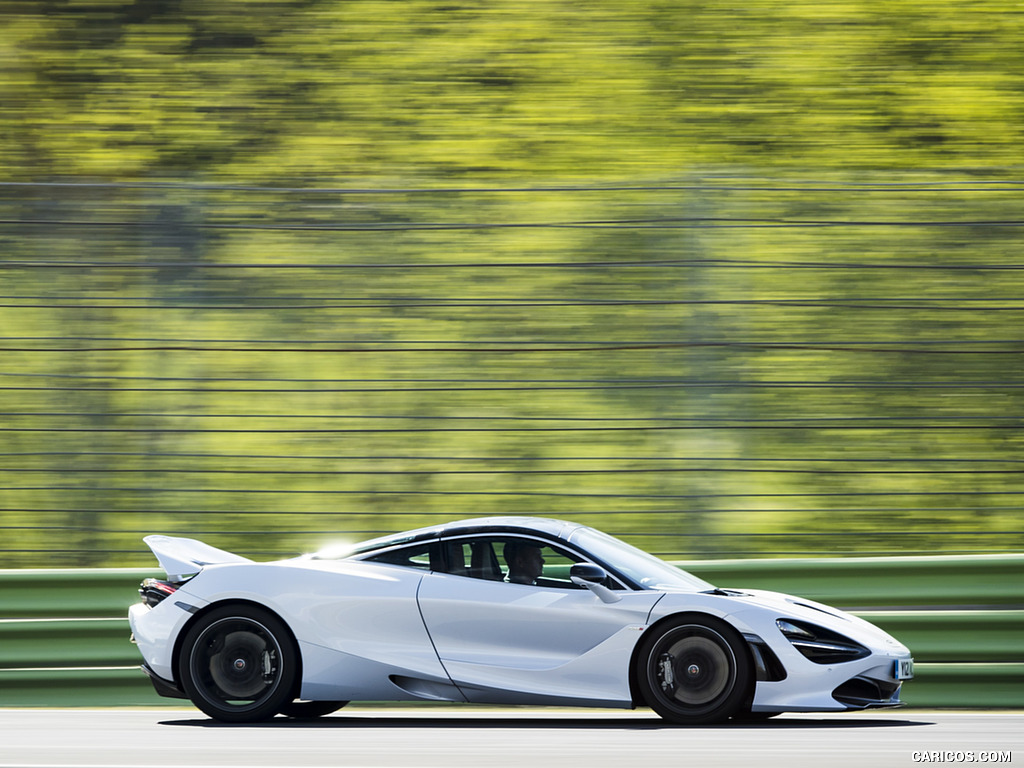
x=820, y=645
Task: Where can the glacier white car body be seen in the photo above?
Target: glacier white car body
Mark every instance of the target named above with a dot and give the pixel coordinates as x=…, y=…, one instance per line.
x=431, y=615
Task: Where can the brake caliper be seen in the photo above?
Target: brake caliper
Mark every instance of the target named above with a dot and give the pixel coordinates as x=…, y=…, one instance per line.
x=666, y=674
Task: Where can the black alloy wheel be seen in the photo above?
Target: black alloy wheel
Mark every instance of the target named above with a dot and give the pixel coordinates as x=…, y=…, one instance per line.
x=239, y=664
x=694, y=669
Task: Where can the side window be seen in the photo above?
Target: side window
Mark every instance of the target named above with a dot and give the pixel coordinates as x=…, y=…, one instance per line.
x=528, y=561
x=472, y=557
x=517, y=560
x=420, y=556
x=511, y=559
x=457, y=557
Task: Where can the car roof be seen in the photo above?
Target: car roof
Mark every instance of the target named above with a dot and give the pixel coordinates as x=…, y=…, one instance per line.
x=557, y=529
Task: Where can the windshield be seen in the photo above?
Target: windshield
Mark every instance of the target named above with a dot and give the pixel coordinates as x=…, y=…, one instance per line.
x=646, y=570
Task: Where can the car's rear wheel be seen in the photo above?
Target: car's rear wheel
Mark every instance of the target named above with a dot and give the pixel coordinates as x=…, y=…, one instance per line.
x=694, y=669
x=239, y=664
x=305, y=710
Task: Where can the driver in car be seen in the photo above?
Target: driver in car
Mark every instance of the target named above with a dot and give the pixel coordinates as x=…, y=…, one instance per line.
x=525, y=562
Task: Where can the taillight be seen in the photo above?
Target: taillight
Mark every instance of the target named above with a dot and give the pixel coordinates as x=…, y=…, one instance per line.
x=153, y=591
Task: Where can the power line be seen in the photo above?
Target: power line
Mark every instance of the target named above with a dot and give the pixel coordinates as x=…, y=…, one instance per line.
x=965, y=311
x=470, y=472
x=721, y=420
x=499, y=264
x=524, y=494
x=430, y=345
x=715, y=183
x=887, y=460
x=674, y=512
x=956, y=304
x=385, y=386
x=653, y=223
x=630, y=534
x=1013, y=424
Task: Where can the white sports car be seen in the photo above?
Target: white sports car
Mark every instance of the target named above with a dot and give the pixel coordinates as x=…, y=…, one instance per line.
x=496, y=611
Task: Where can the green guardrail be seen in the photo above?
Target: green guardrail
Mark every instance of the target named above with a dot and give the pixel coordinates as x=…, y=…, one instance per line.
x=951, y=581
x=64, y=634
x=70, y=593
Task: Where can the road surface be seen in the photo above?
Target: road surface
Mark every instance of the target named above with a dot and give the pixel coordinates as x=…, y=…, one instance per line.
x=463, y=737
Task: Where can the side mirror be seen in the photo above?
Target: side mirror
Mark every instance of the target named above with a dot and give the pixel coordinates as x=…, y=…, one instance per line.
x=593, y=577
x=585, y=574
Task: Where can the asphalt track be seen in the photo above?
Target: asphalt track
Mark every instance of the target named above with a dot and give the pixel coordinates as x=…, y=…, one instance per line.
x=523, y=738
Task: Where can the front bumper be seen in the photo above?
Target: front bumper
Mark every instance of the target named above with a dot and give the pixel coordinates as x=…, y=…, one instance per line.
x=868, y=693
x=874, y=680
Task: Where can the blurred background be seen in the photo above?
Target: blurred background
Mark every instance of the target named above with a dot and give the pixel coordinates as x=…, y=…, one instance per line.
x=723, y=281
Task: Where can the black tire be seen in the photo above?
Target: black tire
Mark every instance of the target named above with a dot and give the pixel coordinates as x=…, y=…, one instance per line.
x=239, y=664
x=694, y=669
x=306, y=710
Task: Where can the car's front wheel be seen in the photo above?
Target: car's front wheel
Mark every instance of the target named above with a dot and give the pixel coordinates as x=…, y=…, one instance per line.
x=239, y=664
x=694, y=669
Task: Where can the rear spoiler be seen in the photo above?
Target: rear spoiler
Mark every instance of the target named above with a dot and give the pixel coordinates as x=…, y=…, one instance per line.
x=182, y=558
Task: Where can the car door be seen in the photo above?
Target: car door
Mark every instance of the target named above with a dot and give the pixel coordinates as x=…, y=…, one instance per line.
x=542, y=642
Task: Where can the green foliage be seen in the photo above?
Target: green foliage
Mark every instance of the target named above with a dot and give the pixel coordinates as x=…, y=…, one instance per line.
x=315, y=89
x=715, y=360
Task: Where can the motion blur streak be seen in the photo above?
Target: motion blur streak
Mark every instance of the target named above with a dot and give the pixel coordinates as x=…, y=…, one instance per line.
x=724, y=280
x=202, y=383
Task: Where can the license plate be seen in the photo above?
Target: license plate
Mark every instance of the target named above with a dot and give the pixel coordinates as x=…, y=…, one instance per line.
x=904, y=669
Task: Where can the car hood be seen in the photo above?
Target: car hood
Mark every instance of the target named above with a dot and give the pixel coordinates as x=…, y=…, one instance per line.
x=758, y=610
x=793, y=607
